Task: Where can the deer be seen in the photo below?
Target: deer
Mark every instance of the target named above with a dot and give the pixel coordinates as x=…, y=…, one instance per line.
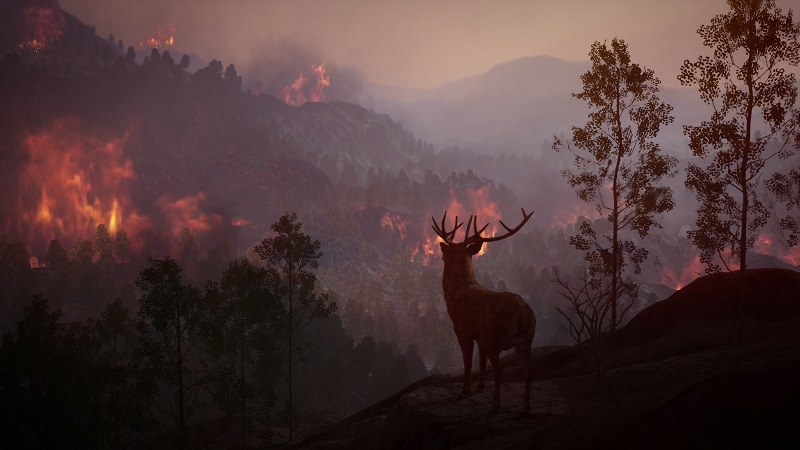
x=497, y=321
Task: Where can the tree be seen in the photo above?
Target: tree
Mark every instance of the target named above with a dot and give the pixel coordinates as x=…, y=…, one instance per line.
x=122, y=246
x=293, y=254
x=618, y=163
x=185, y=61
x=130, y=56
x=254, y=323
x=746, y=83
x=103, y=247
x=171, y=368
x=56, y=258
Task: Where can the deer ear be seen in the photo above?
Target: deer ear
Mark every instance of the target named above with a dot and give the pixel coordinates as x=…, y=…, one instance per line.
x=443, y=246
x=473, y=249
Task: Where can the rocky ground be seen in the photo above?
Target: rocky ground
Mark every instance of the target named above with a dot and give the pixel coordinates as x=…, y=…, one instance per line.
x=676, y=379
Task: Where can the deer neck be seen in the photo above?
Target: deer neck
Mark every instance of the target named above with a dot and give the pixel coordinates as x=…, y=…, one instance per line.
x=456, y=278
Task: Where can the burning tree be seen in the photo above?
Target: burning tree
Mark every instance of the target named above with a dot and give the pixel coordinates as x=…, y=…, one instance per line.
x=619, y=164
x=746, y=83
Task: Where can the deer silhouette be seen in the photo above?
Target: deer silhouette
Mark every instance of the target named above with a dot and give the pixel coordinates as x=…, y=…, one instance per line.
x=497, y=321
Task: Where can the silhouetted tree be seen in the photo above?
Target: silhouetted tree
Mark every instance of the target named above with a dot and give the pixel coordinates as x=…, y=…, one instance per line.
x=293, y=254
x=233, y=79
x=250, y=340
x=103, y=247
x=171, y=368
x=746, y=82
x=619, y=164
x=122, y=247
x=130, y=56
x=56, y=257
x=185, y=61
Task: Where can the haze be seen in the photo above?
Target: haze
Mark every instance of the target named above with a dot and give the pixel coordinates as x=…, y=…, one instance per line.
x=411, y=44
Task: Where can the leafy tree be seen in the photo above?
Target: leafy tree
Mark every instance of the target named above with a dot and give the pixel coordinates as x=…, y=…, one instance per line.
x=232, y=78
x=103, y=248
x=786, y=188
x=15, y=271
x=185, y=61
x=82, y=252
x=747, y=84
x=56, y=257
x=619, y=164
x=122, y=246
x=170, y=363
x=293, y=254
x=48, y=388
x=250, y=339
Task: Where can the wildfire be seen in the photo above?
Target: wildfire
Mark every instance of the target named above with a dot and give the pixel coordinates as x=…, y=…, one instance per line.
x=186, y=212
x=163, y=37
x=43, y=25
x=294, y=93
x=73, y=182
x=393, y=223
x=478, y=203
x=678, y=278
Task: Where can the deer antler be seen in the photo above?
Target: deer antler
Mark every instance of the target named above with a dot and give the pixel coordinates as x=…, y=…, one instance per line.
x=441, y=230
x=476, y=235
x=447, y=236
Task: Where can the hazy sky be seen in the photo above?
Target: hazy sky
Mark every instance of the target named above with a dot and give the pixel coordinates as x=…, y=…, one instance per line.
x=418, y=44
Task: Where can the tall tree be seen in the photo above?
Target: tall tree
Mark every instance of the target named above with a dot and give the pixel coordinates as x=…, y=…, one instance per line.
x=746, y=83
x=619, y=164
x=292, y=253
x=250, y=339
x=169, y=357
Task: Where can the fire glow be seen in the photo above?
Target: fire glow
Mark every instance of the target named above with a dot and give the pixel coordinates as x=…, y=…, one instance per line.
x=163, y=37
x=74, y=181
x=479, y=204
x=294, y=93
x=43, y=25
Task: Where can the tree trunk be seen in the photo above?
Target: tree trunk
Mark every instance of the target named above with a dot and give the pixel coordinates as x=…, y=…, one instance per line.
x=291, y=288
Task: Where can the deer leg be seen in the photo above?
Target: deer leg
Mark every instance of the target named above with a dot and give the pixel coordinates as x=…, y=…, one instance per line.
x=494, y=358
x=466, y=353
x=524, y=355
x=482, y=370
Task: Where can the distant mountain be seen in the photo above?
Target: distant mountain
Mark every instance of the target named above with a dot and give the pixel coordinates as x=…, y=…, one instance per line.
x=515, y=106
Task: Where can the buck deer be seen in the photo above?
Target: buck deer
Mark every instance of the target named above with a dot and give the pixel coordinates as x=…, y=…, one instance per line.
x=496, y=320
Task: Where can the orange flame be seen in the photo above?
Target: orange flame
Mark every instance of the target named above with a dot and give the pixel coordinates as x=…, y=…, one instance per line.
x=479, y=204
x=43, y=25
x=393, y=223
x=293, y=93
x=73, y=182
x=186, y=212
x=162, y=37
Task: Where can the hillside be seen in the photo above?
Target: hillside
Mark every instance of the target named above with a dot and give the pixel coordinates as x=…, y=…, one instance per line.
x=676, y=381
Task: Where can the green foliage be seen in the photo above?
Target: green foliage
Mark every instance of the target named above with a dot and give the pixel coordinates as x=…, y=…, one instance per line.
x=619, y=164
x=747, y=84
